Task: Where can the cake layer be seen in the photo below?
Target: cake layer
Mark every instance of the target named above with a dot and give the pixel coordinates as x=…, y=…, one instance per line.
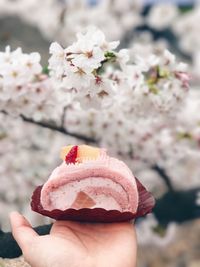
x=104, y=193
x=105, y=182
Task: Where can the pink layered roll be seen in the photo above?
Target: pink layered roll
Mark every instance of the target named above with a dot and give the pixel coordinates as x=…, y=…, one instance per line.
x=99, y=182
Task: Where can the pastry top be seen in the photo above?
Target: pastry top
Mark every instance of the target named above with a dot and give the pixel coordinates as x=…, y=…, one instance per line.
x=78, y=154
x=85, y=159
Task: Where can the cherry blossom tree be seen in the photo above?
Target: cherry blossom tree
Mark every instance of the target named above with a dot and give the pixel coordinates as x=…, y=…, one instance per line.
x=136, y=102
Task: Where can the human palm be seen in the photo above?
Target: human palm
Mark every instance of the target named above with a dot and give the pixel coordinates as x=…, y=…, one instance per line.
x=74, y=244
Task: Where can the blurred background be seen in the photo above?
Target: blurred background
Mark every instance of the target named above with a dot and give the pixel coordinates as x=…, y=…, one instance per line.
x=170, y=237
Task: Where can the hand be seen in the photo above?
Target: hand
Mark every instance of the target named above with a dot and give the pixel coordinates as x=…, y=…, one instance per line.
x=74, y=244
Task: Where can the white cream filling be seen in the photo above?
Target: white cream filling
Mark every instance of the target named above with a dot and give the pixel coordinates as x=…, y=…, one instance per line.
x=63, y=197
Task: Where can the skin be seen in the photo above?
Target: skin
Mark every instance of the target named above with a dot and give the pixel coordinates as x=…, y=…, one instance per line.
x=74, y=244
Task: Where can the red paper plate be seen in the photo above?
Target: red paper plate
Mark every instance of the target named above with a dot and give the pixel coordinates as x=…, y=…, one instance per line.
x=145, y=206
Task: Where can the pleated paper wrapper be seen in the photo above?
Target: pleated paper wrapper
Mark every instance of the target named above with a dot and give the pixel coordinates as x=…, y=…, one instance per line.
x=96, y=215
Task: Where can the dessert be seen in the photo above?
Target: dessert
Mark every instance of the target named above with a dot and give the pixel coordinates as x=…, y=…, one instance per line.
x=89, y=185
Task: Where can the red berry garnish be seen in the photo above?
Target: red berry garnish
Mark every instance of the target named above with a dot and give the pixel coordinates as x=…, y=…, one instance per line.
x=72, y=155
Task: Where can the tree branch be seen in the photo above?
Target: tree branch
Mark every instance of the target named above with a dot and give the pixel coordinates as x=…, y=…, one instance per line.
x=164, y=176
x=59, y=129
x=54, y=127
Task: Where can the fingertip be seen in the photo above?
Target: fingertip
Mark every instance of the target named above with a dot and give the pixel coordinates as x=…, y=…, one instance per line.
x=21, y=229
x=13, y=213
x=14, y=216
x=18, y=220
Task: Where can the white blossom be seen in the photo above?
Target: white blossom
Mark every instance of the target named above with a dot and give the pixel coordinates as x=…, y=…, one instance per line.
x=146, y=234
x=162, y=15
x=186, y=27
x=57, y=60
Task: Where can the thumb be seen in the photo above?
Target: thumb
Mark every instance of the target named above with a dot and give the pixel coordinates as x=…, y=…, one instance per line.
x=22, y=230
